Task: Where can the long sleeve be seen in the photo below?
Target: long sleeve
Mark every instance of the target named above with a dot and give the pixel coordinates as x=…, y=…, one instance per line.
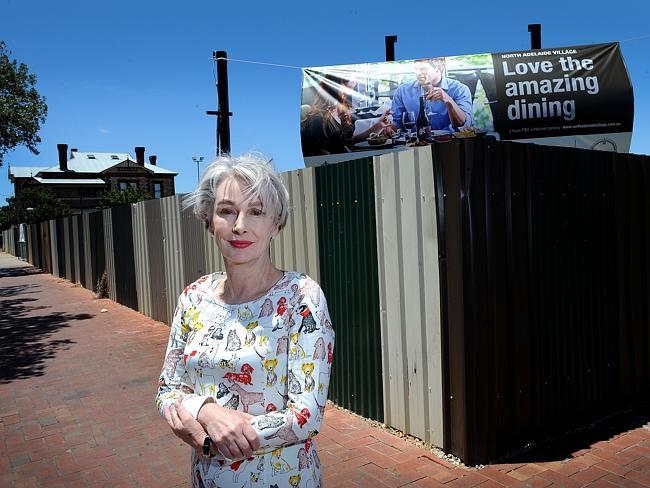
x=397, y=107
x=174, y=383
x=462, y=97
x=310, y=349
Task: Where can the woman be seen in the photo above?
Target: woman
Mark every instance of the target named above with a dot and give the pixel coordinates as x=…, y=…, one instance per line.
x=328, y=126
x=248, y=361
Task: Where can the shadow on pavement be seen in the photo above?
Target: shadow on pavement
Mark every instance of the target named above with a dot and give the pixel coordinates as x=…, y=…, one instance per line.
x=19, y=271
x=24, y=336
x=558, y=448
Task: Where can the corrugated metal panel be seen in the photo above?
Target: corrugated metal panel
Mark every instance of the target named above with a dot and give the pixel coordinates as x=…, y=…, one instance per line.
x=545, y=286
x=85, y=224
x=193, y=236
x=74, y=227
x=213, y=258
x=34, y=238
x=67, y=259
x=61, y=246
x=348, y=276
x=29, y=244
x=125, y=291
x=156, y=256
x=173, y=251
x=296, y=247
x=141, y=259
x=409, y=286
x=36, y=244
x=97, y=250
x=109, y=252
x=47, y=247
x=54, y=247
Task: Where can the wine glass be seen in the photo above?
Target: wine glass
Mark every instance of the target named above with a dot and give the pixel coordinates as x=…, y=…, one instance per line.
x=408, y=120
x=429, y=112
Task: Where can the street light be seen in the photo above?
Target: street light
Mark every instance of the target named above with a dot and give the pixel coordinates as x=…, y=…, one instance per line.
x=198, y=160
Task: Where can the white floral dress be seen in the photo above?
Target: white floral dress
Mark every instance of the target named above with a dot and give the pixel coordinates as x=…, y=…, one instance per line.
x=270, y=357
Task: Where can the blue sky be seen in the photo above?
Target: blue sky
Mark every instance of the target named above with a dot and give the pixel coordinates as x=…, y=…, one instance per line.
x=122, y=74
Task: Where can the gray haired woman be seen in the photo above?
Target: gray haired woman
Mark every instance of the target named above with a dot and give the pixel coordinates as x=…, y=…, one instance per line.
x=247, y=368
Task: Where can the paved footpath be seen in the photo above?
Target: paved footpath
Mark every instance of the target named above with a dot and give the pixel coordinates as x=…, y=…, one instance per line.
x=76, y=409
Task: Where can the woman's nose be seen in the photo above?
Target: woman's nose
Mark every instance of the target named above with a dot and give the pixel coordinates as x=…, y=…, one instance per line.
x=239, y=225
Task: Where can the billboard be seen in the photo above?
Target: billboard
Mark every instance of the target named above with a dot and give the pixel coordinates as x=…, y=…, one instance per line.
x=576, y=96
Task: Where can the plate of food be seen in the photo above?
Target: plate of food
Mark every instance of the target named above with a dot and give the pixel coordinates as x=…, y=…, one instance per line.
x=376, y=140
x=468, y=131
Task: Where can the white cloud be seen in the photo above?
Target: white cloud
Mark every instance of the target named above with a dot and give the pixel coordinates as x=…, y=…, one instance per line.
x=104, y=131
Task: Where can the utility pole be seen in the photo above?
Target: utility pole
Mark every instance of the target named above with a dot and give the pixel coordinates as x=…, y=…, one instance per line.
x=390, y=47
x=535, y=36
x=223, y=112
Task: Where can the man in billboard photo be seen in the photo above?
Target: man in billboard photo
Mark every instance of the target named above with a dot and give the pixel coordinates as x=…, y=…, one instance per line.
x=448, y=102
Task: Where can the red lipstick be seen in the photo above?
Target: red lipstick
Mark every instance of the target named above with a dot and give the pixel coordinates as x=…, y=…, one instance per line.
x=240, y=244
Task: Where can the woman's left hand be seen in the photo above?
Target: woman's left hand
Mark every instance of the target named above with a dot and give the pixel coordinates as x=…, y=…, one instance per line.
x=184, y=426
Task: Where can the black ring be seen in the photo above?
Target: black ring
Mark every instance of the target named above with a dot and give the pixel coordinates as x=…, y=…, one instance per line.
x=207, y=445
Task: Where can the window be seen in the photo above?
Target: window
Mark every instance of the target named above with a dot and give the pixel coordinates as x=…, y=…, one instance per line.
x=123, y=185
x=91, y=156
x=113, y=156
x=157, y=190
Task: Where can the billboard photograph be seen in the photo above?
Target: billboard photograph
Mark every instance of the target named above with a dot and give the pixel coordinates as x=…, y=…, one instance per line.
x=578, y=96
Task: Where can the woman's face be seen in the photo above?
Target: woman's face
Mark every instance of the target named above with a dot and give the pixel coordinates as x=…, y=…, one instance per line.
x=242, y=230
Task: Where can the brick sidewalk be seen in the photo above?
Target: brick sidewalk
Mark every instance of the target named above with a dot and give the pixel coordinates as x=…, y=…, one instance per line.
x=76, y=409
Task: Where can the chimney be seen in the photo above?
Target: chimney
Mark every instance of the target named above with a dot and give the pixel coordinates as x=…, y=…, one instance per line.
x=72, y=151
x=63, y=156
x=152, y=160
x=139, y=155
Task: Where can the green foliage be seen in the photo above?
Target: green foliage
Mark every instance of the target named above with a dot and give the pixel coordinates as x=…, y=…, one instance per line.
x=482, y=111
x=113, y=197
x=22, y=109
x=101, y=289
x=44, y=205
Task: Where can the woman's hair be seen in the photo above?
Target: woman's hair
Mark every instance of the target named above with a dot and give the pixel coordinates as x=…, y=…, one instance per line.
x=331, y=92
x=259, y=180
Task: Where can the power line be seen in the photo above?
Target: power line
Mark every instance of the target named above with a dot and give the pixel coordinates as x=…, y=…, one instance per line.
x=636, y=38
x=261, y=62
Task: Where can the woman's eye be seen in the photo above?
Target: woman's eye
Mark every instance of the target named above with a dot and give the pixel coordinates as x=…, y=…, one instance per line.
x=225, y=211
x=256, y=211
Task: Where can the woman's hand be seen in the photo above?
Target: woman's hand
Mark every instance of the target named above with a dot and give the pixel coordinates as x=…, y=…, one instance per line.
x=229, y=430
x=384, y=124
x=184, y=426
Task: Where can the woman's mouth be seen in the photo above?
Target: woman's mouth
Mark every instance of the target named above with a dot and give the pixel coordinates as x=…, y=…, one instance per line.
x=240, y=244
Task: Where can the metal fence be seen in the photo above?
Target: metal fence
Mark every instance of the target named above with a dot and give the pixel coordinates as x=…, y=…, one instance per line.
x=544, y=266
x=484, y=294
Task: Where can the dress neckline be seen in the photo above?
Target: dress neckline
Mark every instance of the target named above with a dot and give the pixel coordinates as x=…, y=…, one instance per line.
x=214, y=282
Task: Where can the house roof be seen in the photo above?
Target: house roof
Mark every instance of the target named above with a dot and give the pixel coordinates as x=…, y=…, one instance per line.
x=62, y=181
x=24, y=171
x=97, y=162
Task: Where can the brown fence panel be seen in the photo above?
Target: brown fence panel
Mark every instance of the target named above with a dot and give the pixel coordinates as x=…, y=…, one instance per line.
x=544, y=282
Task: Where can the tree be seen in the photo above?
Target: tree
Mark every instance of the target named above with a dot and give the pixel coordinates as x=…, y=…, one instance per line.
x=22, y=109
x=42, y=202
x=114, y=197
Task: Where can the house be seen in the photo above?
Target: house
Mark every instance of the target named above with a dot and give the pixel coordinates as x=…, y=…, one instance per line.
x=80, y=178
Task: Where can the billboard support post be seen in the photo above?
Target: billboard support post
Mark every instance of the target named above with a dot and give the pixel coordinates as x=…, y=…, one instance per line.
x=390, y=47
x=535, y=36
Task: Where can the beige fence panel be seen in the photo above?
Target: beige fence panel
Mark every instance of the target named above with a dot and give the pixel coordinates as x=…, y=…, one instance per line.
x=141, y=258
x=296, y=248
x=110, y=256
x=173, y=251
x=409, y=293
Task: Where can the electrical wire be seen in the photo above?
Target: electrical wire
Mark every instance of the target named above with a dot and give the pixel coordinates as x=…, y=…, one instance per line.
x=260, y=62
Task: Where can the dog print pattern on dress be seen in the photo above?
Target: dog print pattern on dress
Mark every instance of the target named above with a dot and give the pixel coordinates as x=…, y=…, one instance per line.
x=269, y=357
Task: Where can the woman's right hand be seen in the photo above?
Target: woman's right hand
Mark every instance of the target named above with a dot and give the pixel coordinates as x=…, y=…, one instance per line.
x=229, y=430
